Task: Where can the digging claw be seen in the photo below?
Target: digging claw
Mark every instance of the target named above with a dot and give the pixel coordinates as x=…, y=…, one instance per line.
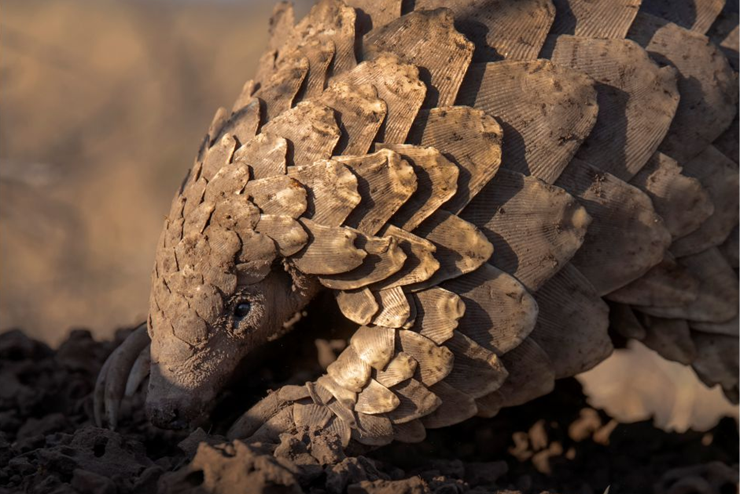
x=139, y=371
x=265, y=416
x=291, y=408
x=124, y=370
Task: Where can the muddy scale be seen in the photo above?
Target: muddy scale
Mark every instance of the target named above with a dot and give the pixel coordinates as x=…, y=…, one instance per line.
x=491, y=193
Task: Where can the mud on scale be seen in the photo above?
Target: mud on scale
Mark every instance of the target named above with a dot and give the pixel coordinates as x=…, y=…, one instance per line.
x=486, y=188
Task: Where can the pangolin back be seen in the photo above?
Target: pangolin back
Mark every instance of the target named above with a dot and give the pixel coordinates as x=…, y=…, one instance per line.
x=483, y=186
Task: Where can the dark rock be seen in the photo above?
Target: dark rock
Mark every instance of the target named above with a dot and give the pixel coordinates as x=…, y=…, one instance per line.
x=148, y=480
x=292, y=452
x=15, y=346
x=449, y=468
x=713, y=477
x=92, y=483
x=190, y=444
x=485, y=473
x=10, y=422
x=352, y=471
x=55, y=422
x=30, y=443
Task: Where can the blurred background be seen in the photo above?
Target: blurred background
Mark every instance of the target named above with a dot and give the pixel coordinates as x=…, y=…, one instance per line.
x=102, y=107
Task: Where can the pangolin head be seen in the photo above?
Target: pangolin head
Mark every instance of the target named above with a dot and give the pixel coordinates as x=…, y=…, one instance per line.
x=220, y=289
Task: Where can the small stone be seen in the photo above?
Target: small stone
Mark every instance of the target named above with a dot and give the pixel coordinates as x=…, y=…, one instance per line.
x=190, y=444
x=326, y=447
x=352, y=471
x=413, y=485
x=147, y=481
x=55, y=422
x=92, y=483
x=485, y=473
x=585, y=425
x=449, y=468
x=295, y=449
x=538, y=436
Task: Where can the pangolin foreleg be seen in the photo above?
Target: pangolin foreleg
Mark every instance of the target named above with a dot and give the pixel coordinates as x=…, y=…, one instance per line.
x=320, y=404
x=121, y=375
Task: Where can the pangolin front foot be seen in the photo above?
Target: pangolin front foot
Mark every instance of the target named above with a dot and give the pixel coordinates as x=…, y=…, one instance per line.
x=322, y=405
x=121, y=374
x=253, y=424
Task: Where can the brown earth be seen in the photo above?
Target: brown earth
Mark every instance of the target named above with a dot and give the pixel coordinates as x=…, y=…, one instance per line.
x=556, y=444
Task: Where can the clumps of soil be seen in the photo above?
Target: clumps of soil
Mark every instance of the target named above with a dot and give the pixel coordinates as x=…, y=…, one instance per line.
x=556, y=444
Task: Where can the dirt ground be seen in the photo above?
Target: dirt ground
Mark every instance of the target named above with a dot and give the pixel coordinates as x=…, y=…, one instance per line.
x=556, y=444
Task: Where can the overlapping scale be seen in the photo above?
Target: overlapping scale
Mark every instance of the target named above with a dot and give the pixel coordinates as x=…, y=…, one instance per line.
x=625, y=238
x=332, y=191
x=460, y=247
x=696, y=15
x=467, y=137
x=398, y=85
x=544, y=130
x=706, y=82
x=436, y=177
x=384, y=258
x=279, y=91
x=310, y=128
x=681, y=200
x=359, y=113
x=499, y=312
x=477, y=371
x=595, y=18
x=637, y=100
x=385, y=182
x=394, y=308
x=573, y=322
x=330, y=250
x=357, y=305
x=500, y=29
x=719, y=176
x=668, y=284
x=535, y=228
x=717, y=292
x=443, y=57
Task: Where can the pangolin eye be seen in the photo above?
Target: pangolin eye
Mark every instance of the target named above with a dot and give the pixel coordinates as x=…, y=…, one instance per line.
x=242, y=309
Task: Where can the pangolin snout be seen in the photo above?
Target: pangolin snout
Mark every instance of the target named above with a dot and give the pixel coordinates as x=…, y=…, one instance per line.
x=178, y=404
x=173, y=413
x=169, y=414
x=166, y=416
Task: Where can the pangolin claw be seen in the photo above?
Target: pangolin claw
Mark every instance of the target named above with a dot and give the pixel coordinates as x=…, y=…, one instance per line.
x=256, y=418
x=121, y=375
x=139, y=371
x=292, y=408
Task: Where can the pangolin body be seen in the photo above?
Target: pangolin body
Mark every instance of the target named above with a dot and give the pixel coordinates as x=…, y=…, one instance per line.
x=485, y=186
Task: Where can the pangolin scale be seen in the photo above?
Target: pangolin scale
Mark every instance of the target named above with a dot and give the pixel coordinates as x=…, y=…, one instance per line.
x=487, y=187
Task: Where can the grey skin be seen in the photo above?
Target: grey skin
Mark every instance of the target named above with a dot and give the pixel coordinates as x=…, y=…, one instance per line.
x=185, y=378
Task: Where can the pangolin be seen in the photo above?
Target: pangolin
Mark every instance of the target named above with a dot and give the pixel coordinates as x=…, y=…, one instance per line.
x=486, y=187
